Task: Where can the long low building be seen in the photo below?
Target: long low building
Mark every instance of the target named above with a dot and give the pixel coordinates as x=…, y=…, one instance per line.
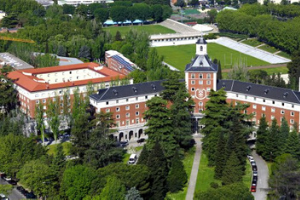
x=128, y=102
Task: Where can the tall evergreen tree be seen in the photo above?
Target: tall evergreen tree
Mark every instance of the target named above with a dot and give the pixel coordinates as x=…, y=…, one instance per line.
x=262, y=133
x=272, y=149
x=158, y=168
x=143, y=159
x=284, y=134
x=160, y=126
x=177, y=176
x=214, y=117
x=232, y=172
x=133, y=194
x=220, y=155
x=292, y=145
x=172, y=86
x=219, y=74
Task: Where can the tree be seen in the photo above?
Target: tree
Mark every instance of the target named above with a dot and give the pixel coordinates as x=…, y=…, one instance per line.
x=227, y=192
x=239, y=72
x=272, y=148
x=262, y=133
x=143, y=159
x=212, y=15
x=61, y=51
x=283, y=134
x=76, y=182
x=68, y=9
x=53, y=112
x=294, y=70
x=220, y=155
x=118, y=13
x=101, y=14
x=15, y=151
x=160, y=126
x=6, y=189
x=84, y=52
x=133, y=194
x=232, y=172
x=157, y=164
x=177, y=176
x=38, y=176
x=171, y=87
x=219, y=74
x=157, y=13
x=292, y=145
x=285, y=177
x=39, y=118
x=118, y=36
x=8, y=94
x=113, y=190
x=58, y=162
x=194, y=3
x=180, y=3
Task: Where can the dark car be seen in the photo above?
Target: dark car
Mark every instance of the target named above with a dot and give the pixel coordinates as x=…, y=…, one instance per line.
x=141, y=140
x=254, y=180
x=22, y=190
x=254, y=168
x=30, y=195
x=123, y=144
x=13, y=181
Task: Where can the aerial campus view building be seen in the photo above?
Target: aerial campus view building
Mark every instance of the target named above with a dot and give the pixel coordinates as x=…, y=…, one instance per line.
x=127, y=101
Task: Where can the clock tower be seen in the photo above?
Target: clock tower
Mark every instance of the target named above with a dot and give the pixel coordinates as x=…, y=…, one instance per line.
x=201, y=77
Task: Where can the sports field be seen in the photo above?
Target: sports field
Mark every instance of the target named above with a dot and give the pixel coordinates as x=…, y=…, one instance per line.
x=150, y=29
x=179, y=56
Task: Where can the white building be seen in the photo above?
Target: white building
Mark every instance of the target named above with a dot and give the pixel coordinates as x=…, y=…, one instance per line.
x=76, y=2
x=2, y=14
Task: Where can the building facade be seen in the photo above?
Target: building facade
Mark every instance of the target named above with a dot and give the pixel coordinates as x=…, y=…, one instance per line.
x=128, y=102
x=37, y=86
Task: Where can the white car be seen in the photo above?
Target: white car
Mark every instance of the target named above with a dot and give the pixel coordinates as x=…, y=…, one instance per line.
x=7, y=178
x=3, y=197
x=132, y=159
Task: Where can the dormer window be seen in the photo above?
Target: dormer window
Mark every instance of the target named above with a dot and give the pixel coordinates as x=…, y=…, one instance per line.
x=201, y=48
x=200, y=75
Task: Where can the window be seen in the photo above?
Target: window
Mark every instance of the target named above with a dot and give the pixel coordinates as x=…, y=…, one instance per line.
x=263, y=115
x=44, y=100
x=254, y=106
x=272, y=117
x=118, y=116
x=282, y=111
x=200, y=103
x=272, y=109
x=107, y=103
x=193, y=89
x=126, y=100
x=292, y=113
x=263, y=108
x=208, y=89
x=254, y=113
x=117, y=109
x=273, y=102
x=200, y=75
x=107, y=110
x=201, y=48
x=254, y=98
x=127, y=114
x=137, y=105
x=70, y=72
x=37, y=101
x=127, y=107
x=117, y=124
x=292, y=121
x=137, y=120
x=200, y=82
x=137, y=113
x=292, y=105
x=127, y=122
x=245, y=96
x=208, y=82
x=193, y=82
x=193, y=75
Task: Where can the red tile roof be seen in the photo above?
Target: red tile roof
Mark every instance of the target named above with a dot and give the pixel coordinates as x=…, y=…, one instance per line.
x=31, y=83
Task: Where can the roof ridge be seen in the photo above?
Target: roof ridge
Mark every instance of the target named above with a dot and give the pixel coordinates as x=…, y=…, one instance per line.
x=104, y=92
x=295, y=95
x=232, y=85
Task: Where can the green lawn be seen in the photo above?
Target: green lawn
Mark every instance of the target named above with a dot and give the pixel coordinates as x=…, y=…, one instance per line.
x=270, y=167
x=282, y=70
x=179, y=56
x=188, y=164
x=150, y=29
x=66, y=148
x=206, y=175
x=252, y=42
x=268, y=48
x=284, y=54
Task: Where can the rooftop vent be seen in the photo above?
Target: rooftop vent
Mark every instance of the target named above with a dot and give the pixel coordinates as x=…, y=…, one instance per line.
x=285, y=94
x=266, y=91
x=153, y=87
x=248, y=88
x=115, y=92
x=223, y=84
x=134, y=89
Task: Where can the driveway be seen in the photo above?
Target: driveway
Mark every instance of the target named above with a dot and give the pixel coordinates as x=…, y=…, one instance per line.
x=263, y=177
x=15, y=194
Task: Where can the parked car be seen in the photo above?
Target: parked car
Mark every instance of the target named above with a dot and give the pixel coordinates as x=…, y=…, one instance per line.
x=132, y=159
x=22, y=190
x=141, y=140
x=253, y=188
x=2, y=174
x=123, y=143
x=253, y=163
x=7, y=178
x=3, y=197
x=254, y=179
x=13, y=181
x=30, y=195
x=254, y=168
x=250, y=157
x=255, y=173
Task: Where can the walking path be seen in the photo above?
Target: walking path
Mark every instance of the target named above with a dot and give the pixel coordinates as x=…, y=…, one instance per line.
x=263, y=177
x=194, y=173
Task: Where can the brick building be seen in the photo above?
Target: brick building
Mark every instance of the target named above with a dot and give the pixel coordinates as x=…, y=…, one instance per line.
x=116, y=61
x=35, y=86
x=129, y=102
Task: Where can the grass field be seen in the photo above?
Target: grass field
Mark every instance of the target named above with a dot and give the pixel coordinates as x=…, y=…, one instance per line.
x=191, y=11
x=206, y=175
x=252, y=42
x=179, y=56
x=284, y=54
x=150, y=29
x=268, y=48
x=282, y=70
x=66, y=148
x=188, y=164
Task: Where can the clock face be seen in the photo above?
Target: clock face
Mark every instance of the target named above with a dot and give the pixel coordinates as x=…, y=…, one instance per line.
x=200, y=94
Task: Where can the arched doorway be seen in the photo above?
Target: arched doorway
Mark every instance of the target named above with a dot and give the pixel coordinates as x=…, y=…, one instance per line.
x=140, y=133
x=121, y=136
x=130, y=134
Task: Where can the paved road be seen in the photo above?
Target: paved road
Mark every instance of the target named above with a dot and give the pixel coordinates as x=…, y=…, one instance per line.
x=15, y=194
x=263, y=176
x=194, y=173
